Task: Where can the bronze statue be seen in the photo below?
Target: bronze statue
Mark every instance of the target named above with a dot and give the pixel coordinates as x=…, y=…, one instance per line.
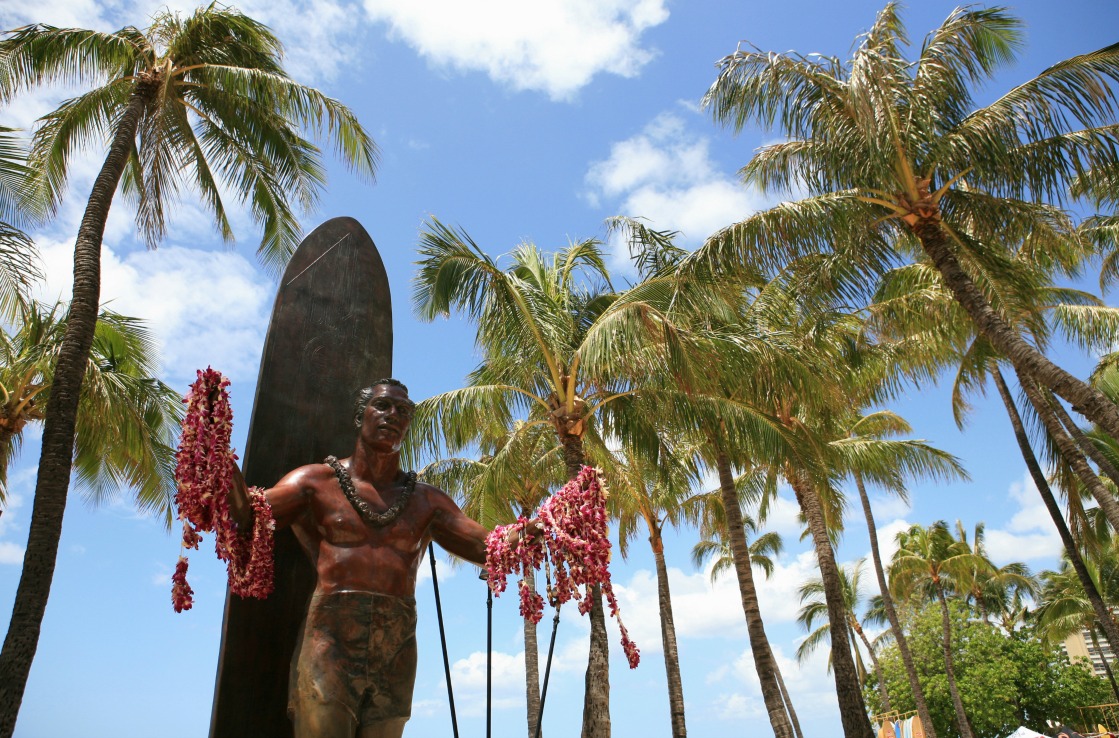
x=364, y=524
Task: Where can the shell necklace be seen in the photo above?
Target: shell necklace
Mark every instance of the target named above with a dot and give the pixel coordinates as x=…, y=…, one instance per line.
x=363, y=508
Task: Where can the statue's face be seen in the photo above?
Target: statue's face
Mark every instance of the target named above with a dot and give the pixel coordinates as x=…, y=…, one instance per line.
x=387, y=417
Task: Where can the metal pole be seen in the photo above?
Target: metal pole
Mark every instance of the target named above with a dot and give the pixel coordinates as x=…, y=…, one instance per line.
x=547, y=671
x=489, y=658
x=443, y=639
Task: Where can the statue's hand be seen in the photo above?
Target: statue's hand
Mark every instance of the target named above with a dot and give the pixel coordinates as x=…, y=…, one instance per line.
x=534, y=530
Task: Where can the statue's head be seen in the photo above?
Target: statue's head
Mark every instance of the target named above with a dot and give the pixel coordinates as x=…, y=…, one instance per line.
x=383, y=414
x=366, y=395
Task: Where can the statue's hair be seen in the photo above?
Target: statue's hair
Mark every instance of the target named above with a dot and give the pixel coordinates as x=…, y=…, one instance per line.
x=366, y=395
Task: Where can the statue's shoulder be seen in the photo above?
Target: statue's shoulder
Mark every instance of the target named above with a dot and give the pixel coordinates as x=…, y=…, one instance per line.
x=309, y=475
x=435, y=496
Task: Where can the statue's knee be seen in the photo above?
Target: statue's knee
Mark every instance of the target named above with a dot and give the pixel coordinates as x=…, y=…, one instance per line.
x=324, y=720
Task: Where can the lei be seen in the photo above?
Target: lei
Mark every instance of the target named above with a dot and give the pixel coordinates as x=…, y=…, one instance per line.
x=576, y=539
x=204, y=466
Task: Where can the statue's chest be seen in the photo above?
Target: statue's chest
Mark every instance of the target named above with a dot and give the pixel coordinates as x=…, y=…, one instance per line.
x=342, y=524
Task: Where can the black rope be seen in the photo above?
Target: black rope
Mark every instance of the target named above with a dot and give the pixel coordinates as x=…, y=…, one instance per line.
x=443, y=639
x=489, y=657
x=547, y=672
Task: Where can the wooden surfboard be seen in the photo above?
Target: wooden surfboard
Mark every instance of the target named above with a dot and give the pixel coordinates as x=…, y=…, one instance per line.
x=917, y=730
x=330, y=335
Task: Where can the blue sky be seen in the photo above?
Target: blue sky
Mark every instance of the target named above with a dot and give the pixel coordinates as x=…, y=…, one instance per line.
x=518, y=122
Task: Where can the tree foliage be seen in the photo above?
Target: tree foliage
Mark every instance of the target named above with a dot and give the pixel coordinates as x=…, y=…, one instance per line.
x=1005, y=680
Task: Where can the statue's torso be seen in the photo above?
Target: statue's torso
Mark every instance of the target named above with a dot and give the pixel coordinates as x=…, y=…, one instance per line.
x=351, y=554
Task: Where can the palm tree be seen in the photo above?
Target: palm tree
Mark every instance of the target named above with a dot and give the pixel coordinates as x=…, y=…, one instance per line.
x=814, y=608
x=561, y=352
x=929, y=563
x=1072, y=550
x=199, y=101
x=126, y=421
x=729, y=418
x=18, y=207
x=898, y=161
x=656, y=492
x=994, y=590
x=856, y=372
x=716, y=542
x=1064, y=609
x=873, y=455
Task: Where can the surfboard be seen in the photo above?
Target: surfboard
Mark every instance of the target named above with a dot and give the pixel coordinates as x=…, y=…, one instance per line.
x=918, y=729
x=330, y=335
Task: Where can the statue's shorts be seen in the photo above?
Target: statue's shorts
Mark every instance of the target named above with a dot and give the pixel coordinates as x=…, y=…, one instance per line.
x=358, y=650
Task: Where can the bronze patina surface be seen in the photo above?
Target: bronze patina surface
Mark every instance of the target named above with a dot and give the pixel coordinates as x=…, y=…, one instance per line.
x=334, y=293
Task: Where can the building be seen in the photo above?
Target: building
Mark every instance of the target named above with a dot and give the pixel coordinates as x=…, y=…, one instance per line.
x=1079, y=646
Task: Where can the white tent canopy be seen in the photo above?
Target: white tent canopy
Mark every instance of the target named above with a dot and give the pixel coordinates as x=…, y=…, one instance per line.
x=1024, y=732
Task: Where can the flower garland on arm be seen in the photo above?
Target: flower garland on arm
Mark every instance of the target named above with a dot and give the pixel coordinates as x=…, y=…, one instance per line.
x=204, y=466
x=575, y=538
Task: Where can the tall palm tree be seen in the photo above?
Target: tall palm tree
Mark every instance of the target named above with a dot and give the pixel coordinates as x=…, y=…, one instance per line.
x=873, y=454
x=560, y=348
x=728, y=417
x=814, y=609
x=656, y=492
x=127, y=420
x=912, y=303
x=760, y=552
x=199, y=101
x=930, y=563
x=898, y=161
x=858, y=372
x=1072, y=549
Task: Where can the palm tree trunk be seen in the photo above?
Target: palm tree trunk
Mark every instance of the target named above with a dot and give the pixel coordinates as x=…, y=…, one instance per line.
x=532, y=663
x=1071, y=454
x=950, y=665
x=764, y=662
x=855, y=626
x=1085, y=444
x=596, y=696
x=860, y=667
x=1111, y=631
x=892, y=614
x=1106, y=666
x=668, y=637
x=852, y=709
x=57, y=453
x=788, y=701
x=1027, y=360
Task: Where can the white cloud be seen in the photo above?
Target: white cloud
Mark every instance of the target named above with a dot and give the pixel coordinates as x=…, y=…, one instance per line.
x=11, y=553
x=666, y=175
x=887, y=539
x=204, y=307
x=737, y=706
x=783, y=515
x=887, y=507
x=809, y=684
x=556, y=46
x=21, y=485
x=705, y=610
x=1029, y=534
x=508, y=671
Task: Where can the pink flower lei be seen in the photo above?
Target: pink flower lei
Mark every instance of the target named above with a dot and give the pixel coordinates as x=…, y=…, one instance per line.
x=576, y=539
x=203, y=476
